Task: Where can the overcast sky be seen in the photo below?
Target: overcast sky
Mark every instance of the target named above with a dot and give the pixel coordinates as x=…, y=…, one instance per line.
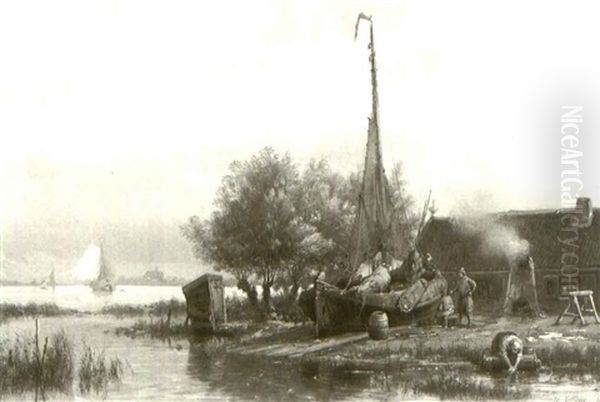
x=132, y=110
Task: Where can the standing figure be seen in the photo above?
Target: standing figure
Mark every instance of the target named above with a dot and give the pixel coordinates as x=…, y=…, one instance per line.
x=507, y=346
x=446, y=309
x=465, y=288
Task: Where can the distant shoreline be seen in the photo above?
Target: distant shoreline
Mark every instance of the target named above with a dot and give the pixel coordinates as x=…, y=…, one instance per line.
x=83, y=284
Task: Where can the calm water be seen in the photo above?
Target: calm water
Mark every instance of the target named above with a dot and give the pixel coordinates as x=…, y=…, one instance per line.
x=82, y=298
x=181, y=370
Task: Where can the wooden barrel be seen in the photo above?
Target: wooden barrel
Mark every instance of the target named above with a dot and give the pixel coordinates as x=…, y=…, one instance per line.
x=378, y=325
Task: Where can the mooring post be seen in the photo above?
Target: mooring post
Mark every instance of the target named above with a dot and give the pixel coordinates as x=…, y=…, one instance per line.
x=317, y=309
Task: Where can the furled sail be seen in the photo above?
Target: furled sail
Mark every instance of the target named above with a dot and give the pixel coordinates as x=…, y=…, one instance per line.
x=373, y=228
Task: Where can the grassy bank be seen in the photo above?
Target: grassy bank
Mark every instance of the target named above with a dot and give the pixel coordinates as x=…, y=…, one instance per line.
x=161, y=328
x=10, y=310
x=559, y=348
x=164, y=307
x=166, y=319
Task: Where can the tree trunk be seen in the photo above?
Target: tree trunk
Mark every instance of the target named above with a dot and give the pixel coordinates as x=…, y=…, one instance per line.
x=249, y=289
x=266, y=296
x=293, y=295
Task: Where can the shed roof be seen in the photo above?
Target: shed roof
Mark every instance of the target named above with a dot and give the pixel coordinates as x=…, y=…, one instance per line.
x=200, y=281
x=456, y=242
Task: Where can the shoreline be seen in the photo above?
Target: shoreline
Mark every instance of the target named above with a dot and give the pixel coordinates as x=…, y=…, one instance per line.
x=416, y=360
x=405, y=344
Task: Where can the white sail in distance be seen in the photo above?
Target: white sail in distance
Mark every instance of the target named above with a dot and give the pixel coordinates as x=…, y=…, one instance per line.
x=87, y=267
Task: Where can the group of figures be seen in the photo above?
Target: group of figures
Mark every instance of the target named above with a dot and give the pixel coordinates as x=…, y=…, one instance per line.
x=506, y=346
x=417, y=268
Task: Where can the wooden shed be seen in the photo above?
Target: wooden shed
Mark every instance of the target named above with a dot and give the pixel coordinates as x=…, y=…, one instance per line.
x=453, y=244
x=205, y=298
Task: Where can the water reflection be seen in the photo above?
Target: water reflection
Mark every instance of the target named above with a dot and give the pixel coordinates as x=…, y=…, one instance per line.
x=181, y=369
x=248, y=377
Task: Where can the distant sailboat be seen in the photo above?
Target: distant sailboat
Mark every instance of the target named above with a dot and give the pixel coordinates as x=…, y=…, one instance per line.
x=94, y=268
x=104, y=280
x=51, y=282
x=52, y=279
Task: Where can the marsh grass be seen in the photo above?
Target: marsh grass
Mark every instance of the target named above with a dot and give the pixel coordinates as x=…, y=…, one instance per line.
x=163, y=307
x=161, y=328
x=579, y=359
x=28, y=366
x=461, y=350
x=124, y=310
x=11, y=310
x=452, y=385
x=96, y=372
x=241, y=310
x=422, y=349
x=212, y=346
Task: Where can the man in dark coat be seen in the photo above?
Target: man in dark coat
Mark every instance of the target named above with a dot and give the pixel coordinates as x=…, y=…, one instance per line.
x=465, y=288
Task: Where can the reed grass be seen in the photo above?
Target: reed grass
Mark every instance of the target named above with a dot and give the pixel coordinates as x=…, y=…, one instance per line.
x=28, y=366
x=461, y=350
x=578, y=359
x=160, y=308
x=422, y=349
x=453, y=386
x=124, y=310
x=160, y=329
x=96, y=372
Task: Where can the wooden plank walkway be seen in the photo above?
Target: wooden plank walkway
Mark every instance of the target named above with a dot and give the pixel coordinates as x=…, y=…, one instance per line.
x=299, y=349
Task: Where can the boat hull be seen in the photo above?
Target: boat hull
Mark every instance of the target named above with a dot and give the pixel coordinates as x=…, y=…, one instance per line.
x=102, y=287
x=334, y=308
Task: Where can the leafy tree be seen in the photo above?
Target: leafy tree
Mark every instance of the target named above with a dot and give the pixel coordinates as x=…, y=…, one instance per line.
x=326, y=216
x=254, y=230
x=205, y=247
x=406, y=220
x=277, y=227
x=327, y=204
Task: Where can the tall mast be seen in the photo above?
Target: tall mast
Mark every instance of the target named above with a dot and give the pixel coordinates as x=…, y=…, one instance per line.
x=374, y=119
x=374, y=94
x=373, y=222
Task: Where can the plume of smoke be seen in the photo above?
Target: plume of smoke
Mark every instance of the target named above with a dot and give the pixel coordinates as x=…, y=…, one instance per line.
x=495, y=239
x=502, y=240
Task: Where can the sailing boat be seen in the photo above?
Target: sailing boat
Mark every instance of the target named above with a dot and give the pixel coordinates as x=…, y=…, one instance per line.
x=104, y=281
x=373, y=233
x=51, y=281
x=93, y=268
